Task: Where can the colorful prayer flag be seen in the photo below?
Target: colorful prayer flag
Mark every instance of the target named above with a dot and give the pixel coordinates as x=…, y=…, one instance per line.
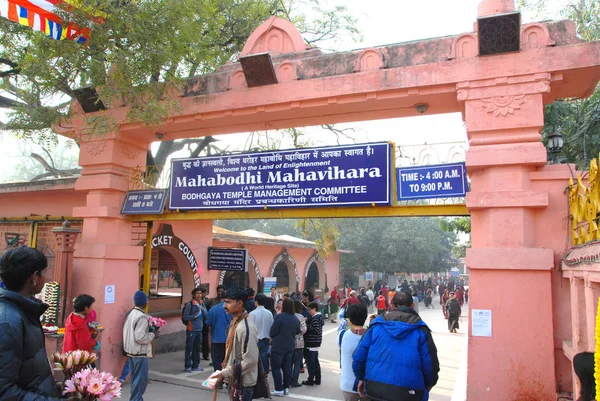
x=41, y=16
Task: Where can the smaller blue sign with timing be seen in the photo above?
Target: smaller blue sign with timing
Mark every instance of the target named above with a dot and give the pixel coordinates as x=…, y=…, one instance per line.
x=435, y=181
x=150, y=201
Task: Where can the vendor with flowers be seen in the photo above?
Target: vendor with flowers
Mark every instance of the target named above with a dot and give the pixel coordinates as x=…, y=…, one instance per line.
x=24, y=369
x=77, y=333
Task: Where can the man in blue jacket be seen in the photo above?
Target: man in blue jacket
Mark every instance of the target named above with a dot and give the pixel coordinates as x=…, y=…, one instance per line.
x=218, y=320
x=194, y=314
x=396, y=359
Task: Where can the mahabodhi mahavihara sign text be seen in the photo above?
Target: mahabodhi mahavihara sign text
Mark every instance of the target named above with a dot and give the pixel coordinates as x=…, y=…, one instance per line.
x=328, y=176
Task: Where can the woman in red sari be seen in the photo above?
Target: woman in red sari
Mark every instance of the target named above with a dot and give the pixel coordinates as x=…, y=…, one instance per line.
x=445, y=298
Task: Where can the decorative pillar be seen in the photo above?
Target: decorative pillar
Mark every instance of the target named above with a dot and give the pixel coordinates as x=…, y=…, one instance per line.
x=106, y=255
x=63, y=267
x=510, y=263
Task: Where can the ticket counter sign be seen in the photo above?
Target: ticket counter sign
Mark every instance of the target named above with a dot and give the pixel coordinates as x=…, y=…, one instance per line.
x=434, y=181
x=349, y=175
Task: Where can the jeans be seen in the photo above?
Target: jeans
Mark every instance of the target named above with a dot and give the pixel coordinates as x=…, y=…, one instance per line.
x=139, y=377
x=281, y=362
x=297, y=364
x=247, y=393
x=126, y=370
x=218, y=354
x=193, y=344
x=263, y=350
x=314, y=366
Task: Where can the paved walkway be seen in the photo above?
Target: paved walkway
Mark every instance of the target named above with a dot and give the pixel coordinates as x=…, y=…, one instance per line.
x=169, y=382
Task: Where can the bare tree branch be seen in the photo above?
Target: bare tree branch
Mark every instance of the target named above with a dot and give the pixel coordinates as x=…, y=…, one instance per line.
x=52, y=171
x=340, y=132
x=7, y=103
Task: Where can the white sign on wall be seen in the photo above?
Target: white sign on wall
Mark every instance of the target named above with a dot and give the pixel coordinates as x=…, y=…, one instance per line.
x=109, y=294
x=481, y=321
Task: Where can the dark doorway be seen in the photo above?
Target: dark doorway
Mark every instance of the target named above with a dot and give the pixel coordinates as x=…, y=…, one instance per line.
x=312, y=278
x=283, y=278
x=236, y=280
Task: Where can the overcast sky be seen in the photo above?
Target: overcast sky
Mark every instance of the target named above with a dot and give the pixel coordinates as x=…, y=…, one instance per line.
x=383, y=22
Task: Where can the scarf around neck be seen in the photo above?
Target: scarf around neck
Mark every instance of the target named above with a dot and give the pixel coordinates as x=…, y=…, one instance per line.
x=231, y=337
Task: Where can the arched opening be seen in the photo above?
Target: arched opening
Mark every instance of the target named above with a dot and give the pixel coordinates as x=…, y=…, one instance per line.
x=283, y=277
x=312, y=278
x=166, y=279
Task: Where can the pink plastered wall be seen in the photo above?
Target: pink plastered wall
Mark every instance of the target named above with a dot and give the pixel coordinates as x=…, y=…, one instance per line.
x=265, y=256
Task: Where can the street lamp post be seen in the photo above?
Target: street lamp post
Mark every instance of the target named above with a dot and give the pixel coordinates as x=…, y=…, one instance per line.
x=555, y=145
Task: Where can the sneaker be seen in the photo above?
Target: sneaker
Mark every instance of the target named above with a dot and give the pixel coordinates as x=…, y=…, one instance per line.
x=308, y=383
x=188, y=370
x=198, y=369
x=286, y=391
x=296, y=385
x=277, y=393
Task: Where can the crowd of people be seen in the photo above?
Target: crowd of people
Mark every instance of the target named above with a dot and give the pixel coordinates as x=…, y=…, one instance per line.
x=247, y=336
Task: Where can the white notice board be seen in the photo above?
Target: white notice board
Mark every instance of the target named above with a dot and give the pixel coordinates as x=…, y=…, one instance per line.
x=109, y=294
x=481, y=322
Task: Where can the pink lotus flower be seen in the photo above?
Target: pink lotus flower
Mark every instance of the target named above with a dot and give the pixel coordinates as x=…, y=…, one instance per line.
x=92, y=385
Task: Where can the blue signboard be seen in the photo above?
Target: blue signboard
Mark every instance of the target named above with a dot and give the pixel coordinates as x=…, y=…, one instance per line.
x=144, y=202
x=347, y=175
x=435, y=181
x=229, y=259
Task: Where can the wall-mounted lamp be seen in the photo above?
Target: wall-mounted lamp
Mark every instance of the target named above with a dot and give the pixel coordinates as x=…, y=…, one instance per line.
x=421, y=108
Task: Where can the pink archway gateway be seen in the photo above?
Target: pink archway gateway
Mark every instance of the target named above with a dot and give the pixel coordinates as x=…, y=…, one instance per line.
x=516, y=202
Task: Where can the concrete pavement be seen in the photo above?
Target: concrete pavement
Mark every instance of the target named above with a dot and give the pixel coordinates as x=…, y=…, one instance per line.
x=168, y=381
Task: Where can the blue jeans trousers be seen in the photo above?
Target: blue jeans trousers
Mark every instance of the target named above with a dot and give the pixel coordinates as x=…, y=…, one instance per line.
x=139, y=377
x=281, y=362
x=126, y=370
x=247, y=393
x=297, y=364
x=263, y=350
x=193, y=346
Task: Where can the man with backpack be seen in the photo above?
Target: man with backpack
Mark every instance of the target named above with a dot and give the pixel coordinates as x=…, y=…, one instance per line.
x=193, y=315
x=396, y=359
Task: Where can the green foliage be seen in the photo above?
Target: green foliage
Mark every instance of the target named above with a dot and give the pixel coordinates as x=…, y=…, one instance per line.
x=396, y=245
x=142, y=51
x=456, y=224
x=376, y=244
x=324, y=232
x=578, y=120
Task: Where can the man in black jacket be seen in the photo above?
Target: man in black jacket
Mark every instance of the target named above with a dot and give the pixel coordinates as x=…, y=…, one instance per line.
x=24, y=369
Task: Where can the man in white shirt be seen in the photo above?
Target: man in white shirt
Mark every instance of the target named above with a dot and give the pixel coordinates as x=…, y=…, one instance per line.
x=371, y=296
x=263, y=320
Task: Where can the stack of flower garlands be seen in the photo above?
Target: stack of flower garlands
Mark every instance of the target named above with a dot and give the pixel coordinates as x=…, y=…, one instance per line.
x=597, y=353
x=83, y=382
